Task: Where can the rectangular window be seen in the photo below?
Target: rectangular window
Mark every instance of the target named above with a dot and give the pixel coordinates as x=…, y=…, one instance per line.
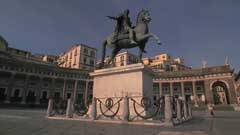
x=92, y=62
x=16, y=93
x=44, y=95
x=75, y=53
x=68, y=95
x=85, y=51
x=155, y=86
x=57, y=95
x=79, y=97
x=122, y=58
x=92, y=53
x=90, y=97
x=2, y=93
x=74, y=62
x=84, y=60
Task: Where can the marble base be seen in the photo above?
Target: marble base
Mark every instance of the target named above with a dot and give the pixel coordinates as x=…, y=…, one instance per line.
x=132, y=80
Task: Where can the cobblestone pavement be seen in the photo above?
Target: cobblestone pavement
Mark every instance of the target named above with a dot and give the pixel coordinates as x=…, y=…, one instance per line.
x=33, y=122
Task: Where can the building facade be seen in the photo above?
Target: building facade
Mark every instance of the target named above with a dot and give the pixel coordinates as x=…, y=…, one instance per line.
x=26, y=80
x=79, y=57
x=214, y=85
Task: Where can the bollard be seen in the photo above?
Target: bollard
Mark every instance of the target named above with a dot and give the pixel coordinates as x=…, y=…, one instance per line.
x=50, y=107
x=126, y=113
x=69, y=111
x=94, y=109
x=179, y=110
x=189, y=111
x=185, y=109
x=168, y=111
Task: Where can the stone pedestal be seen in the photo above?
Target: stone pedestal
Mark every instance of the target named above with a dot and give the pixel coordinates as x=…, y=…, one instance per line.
x=135, y=80
x=132, y=80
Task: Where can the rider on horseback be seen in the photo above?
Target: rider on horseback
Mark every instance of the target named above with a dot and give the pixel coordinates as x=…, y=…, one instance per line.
x=123, y=26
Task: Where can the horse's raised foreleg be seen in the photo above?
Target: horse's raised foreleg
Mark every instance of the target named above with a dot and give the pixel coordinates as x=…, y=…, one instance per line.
x=103, y=53
x=156, y=38
x=146, y=36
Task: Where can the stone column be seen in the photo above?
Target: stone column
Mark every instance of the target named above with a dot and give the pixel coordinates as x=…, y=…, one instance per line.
x=24, y=92
x=126, y=108
x=94, y=109
x=195, y=94
x=50, y=107
x=86, y=92
x=183, y=91
x=160, y=89
x=75, y=90
x=185, y=109
x=64, y=89
x=69, y=111
x=184, y=100
x=168, y=111
x=171, y=89
x=208, y=92
x=179, y=110
x=10, y=87
x=38, y=92
x=189, y=111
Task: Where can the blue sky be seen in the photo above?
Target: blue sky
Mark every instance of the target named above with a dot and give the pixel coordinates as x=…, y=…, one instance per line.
x=191, y=29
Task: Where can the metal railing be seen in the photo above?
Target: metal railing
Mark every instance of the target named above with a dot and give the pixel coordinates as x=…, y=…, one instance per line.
x=165, y=109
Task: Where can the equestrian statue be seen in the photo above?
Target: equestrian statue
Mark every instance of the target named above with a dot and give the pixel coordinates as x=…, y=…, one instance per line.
x=126, y=36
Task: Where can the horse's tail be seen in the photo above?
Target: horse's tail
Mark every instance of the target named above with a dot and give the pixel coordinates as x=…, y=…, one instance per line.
x=103, y=53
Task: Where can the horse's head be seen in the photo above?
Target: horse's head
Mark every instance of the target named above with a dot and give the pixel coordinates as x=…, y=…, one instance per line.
x=143, y=16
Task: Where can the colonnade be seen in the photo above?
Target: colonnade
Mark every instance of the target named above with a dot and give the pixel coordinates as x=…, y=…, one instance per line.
x=39, y=87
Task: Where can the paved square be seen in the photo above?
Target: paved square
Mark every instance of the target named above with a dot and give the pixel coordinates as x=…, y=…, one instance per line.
x=33, y=122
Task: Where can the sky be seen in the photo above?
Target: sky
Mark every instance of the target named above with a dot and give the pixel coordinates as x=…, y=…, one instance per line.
x=190, y=29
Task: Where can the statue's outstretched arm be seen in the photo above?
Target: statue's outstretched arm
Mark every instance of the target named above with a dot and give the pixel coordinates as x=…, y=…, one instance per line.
x=113, y=18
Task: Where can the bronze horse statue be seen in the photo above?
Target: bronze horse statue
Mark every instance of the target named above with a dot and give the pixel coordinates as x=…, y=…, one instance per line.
x=141, y=36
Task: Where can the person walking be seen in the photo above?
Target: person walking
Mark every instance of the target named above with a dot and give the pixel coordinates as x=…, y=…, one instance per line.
x=210, y=109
